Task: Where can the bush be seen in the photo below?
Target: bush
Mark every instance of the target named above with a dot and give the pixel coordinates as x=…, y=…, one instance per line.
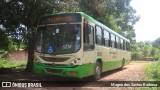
x=5, y=63
x=153, y=71
x=157, y=56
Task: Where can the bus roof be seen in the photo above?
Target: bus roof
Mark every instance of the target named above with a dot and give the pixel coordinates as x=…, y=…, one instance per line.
x=97, y=23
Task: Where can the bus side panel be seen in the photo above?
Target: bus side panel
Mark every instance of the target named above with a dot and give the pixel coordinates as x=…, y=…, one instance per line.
x=111, y=58
x=128, y=57
x=120, y=55
x=115, y=58
x=105, y=58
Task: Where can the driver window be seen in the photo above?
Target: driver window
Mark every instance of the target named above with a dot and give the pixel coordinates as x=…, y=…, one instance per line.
x=88, y=37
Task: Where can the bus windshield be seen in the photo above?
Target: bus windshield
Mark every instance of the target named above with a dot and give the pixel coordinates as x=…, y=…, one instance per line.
x=58, y=39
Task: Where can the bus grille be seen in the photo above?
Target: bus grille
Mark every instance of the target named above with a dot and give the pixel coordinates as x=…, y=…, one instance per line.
x=53, y=59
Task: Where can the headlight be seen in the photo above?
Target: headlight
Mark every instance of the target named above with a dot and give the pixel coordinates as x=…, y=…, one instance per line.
x=73, y=63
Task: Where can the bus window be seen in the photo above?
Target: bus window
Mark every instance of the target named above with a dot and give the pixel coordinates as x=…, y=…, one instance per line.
x=117, y=42
x=99, y=35
x=128, y=46
x=88, y=37
x=121, y=43
x=113, y=41
x=124, y=45
x=106, y=38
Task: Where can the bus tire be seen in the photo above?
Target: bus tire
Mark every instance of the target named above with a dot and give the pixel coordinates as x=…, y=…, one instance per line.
x=123, y=64
x=98, y=71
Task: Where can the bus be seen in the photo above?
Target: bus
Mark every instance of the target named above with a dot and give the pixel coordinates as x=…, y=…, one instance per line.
x=76, y=45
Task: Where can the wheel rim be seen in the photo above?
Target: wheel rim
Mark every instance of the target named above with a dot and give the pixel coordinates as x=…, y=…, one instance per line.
x=98, y=71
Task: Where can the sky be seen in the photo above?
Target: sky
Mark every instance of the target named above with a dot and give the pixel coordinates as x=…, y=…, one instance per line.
x=148, y=27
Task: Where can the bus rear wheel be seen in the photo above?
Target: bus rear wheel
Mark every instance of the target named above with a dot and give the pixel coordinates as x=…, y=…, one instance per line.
x=123, y=64
x=98, y=71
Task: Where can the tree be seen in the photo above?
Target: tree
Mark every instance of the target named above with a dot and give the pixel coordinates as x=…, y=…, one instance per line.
x=126, y=21
x=116, y=14
x=18, y=18
x=33, y=10
x=157, y=56
x=156, y=43
x=69, y=5
x=136, y=52
x=154, y=51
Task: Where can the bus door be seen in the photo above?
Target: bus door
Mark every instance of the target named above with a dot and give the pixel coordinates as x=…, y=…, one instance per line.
x=88, y=39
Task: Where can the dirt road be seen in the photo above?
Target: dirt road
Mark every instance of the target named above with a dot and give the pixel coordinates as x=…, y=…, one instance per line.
x=132, y=72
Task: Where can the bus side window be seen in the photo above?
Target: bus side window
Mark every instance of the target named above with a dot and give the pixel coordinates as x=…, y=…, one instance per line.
x=99, y=33
x=106, y=38
x=128, y=46
x=124, y=45
x=88, y=37
x=113, y=41
x=121, y=43
x=117, y=42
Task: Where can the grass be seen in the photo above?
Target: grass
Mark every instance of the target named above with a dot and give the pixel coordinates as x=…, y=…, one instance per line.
x=5, y=63
x=153, y=71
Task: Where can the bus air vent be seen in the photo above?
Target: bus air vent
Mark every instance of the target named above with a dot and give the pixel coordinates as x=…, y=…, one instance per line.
x=55, y=59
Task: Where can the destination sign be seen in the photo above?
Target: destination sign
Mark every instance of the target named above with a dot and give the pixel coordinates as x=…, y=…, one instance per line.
x=61, y=18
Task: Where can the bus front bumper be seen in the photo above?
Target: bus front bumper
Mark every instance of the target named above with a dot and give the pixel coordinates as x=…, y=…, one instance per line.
x=75, y=72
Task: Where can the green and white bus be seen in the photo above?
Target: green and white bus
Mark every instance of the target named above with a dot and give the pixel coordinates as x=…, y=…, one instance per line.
x=76, y=45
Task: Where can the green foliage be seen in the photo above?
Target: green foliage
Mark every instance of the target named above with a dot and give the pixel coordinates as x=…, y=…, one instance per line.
x=3, y=54
x=136, y=55
x=148, y=88
x=157, y=56
x=20, y=17
x=3, y=41
x=112, y=24
x=136, y=52
x=142, y=50
x=13, y=45
x=156, y=43
x=69, y=6
x=153, y=71
x=4, y=63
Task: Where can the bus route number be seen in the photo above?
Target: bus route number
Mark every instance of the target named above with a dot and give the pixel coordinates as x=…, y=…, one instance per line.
x=67, y=46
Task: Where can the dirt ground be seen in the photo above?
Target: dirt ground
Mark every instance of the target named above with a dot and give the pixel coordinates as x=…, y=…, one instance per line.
x=132, y=72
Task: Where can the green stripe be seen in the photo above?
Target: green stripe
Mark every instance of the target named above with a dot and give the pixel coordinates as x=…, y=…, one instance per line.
x=111, y=65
